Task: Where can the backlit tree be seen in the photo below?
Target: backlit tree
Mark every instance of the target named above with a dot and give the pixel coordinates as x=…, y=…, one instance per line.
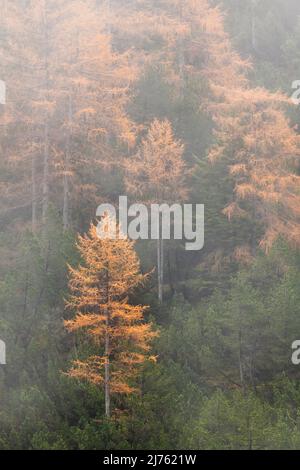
x=156, y=174
x=99, y=297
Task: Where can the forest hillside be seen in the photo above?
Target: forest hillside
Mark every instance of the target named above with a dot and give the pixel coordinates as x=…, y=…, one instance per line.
x=117, y=343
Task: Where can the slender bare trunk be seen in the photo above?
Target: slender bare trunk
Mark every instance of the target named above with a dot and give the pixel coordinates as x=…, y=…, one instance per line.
x=107, y=370
x=160, y=268
x=253, y=27
x=107, y=351
x=181, y=59
x=66, y=204
x=45, y=201
x=240, y=362
x=170, y=273
x=108, y=6
x=33, y=194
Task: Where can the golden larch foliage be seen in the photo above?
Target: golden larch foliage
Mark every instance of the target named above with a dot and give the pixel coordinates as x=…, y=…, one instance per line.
x=99, y=289
x=157, y=171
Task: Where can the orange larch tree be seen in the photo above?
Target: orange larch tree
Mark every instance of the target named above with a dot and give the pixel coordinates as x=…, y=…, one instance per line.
x=65, y=116
x=252, y=133
x=156, y=174
x=95, y=84
x=255, y=138
x=99, y=297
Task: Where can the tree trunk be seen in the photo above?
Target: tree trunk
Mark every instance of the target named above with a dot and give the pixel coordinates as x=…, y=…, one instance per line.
x=108, y=6
x=170, y=274
x=160, y=267
x=107, y=350
x=66, y=204
x=253, y=27
x=107, y=369
x=181, y=58
x=45, y=201
x=240, y=362
x=33, y=194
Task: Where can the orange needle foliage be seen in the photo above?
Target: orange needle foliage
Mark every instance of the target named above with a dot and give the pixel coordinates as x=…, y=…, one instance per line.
x=99, y=297
x=254, y=135
x=157, y=174
x=252, y=132
x=66, y=112
x=157, y=171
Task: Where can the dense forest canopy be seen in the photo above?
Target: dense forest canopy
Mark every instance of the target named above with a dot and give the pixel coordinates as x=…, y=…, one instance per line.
x=112, y=344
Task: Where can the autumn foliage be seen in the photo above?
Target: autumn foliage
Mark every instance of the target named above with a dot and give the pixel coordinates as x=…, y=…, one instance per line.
x=100, y=287
x=157, y=172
